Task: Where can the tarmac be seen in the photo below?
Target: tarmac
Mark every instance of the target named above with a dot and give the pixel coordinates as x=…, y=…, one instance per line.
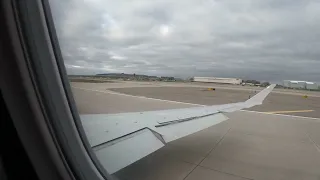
x=277, y=140
x=280, y=103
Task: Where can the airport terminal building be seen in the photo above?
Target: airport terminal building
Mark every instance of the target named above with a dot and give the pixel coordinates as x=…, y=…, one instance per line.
x=218, y=80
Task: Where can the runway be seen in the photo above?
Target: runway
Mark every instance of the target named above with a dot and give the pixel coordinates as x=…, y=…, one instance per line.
x=249, y=145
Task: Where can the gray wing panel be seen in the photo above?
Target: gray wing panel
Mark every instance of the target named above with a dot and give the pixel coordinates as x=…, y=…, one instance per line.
x=121, y=152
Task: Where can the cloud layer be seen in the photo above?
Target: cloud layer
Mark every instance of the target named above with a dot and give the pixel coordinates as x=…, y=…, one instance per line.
x=252, y=39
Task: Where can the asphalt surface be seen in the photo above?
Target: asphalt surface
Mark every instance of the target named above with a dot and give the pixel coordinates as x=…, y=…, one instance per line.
x=249, y=145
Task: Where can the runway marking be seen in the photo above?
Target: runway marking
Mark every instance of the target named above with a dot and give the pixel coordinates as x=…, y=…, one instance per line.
x=284, y=112
x=116, y=93
x=285, y=115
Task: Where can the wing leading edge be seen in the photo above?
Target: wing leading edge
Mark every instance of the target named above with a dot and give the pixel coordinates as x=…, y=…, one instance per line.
x=121, y=139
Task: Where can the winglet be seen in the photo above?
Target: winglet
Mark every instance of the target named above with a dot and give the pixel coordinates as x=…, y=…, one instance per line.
x=255, y=100
x=258, y=98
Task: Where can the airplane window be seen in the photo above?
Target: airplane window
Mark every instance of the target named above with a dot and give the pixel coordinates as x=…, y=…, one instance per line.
x=196, y=89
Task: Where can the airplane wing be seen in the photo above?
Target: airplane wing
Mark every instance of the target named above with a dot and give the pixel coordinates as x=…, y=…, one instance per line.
x=121, y=139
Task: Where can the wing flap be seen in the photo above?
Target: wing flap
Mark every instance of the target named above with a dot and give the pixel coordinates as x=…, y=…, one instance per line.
x=175, y=131
x=121, y=152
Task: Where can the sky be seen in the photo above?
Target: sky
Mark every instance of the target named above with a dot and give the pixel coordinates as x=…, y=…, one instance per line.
x=267, y=40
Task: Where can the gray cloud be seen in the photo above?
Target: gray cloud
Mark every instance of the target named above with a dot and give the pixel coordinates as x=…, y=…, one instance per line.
x=254, y=39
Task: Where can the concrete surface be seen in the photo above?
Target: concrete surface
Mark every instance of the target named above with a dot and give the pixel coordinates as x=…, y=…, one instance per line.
x=126, y=84
x=106, y=102
x=249, y=145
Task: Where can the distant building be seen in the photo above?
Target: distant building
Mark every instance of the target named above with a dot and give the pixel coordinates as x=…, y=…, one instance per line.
x=287, y=83
x=218, y=80
x=300, y=84
x=312, y=85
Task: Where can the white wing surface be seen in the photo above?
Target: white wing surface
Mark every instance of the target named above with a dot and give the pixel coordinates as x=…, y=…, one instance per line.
x=121, y=139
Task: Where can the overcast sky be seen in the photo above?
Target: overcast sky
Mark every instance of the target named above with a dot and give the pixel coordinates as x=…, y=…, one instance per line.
x=252, y=39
